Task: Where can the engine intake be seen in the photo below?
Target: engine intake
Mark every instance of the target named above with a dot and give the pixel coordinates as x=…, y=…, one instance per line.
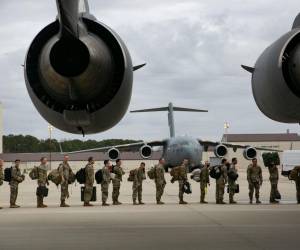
x=221, y=151
x=146, y=152
x=250, y=153
x=113, y=154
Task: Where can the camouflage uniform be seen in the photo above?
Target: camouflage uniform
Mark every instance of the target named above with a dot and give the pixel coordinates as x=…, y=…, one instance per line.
x=182, y=178
x=1, y=177
x=232, y=184
x=89, y=182
x=16, y=178
x=220, y=185
x=274, y=177
x=119, y=172
x=64, y=170
x=160, y=181
x=204, y=181
x=137, y=186
x=255, y=180
x=105, y=184
x=297, y=182
x=42, y=181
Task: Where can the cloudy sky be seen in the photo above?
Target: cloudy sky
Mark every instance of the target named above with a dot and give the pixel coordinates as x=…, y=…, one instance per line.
x=193, y=48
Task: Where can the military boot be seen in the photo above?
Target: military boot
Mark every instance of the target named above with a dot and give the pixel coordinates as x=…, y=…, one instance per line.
x=63, y=204
x=258, y=201
x=182, y=202
x=104, y=204
x=14, y=206
x=274, y=202
x=232, y=201
x=87, y=204
x=203, y=202
x=141, y=203
x=222, y=202
x=160, y=203
x=135, y=203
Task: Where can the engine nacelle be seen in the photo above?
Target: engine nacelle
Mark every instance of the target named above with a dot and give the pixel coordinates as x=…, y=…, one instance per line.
x=250, y=153
x=79, y=85
x=113, y=154
x=221, y=151
x=276, y=78
x=146, y=152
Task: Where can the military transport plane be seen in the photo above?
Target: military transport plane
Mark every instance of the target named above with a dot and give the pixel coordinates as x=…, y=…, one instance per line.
x=177, y=148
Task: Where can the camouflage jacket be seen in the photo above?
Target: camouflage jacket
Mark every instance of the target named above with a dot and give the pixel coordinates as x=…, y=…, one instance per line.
x=160, y=174
x=64, y=170
x=254, y=174
x=274, y=174
x=106, y=175
x=42, y=179
x=1, y=176
x=223, y=179
x=119, y=172
x=89, y=175
x=183, y=173
x=16, y=176
x=204, y=175
x=139, y=176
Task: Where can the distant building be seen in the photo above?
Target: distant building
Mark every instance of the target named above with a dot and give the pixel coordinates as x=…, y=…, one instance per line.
x=1, y=128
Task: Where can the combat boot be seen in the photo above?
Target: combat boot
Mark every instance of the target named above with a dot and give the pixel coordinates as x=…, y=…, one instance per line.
x=63, y=204
x=44, y=205
x=160, y=203
x=222, y=202
x=87, y=204
x=141, y=203
x=274, y=202
x=135, y=203
x=182, y=202
x=104, y=204
x=14, y=206
x=119, y=203
x=258, y=201
x=203, y=202
x=232, y=201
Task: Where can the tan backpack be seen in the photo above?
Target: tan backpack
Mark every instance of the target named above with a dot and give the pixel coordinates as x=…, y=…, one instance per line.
x=55, y=177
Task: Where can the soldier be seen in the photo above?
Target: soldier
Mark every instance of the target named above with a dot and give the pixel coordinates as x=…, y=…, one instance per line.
x=182, y=179
x=1, y=174
x=204, y=181
x=274, y=177
x=105, y=181
x=64, y=170
x=89, y=182
x=160, y=181
x=119, y=172
x=255, y=180
x=42, y=181
x=297, y=182
x=232, y=177
x=137, y=186
x=221, y=182
x=16, y=179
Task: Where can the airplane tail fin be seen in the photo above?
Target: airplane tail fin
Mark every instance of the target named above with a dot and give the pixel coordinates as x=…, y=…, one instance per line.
x=170, y=110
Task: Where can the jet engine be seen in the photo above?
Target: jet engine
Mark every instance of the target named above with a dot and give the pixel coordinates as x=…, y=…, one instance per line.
x=146, y=152
x=79, y=72
x=250, y=153
x=221, y=150
x=276, y=78
x=113, y=154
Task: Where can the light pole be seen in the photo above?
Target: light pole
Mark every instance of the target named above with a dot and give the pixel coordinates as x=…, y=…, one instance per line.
x=50, y=129
x=226, y=127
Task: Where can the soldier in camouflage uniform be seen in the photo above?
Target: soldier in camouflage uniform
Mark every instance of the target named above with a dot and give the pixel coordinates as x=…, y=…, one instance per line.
x=204, y=181
x=16, y=179
x=89, y=182
x=119, y=172
x=297, y=182
x=274, y=177
x=231, y=182
x=64, y=170
x=105, y=181
x=255, y=180
x=42, y=181
x=160, y=181
x=221, y=182
x=182, y=179
x=1, y=174
x=137, y=186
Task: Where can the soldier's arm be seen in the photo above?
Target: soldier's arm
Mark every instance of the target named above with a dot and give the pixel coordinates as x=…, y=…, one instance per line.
x=260, y=176
x=248, y=173
x=207, y=176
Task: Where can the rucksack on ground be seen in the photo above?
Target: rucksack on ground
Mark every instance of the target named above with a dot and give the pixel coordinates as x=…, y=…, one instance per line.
x=33, y=173
x=7, y=174
x=55, y=177
x=151, y=173
x=80, y=176
x=215, y=173
x=99, y=176
x=131, y=175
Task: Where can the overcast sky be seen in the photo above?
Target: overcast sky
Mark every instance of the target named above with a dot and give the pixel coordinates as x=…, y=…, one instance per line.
x=193, y=48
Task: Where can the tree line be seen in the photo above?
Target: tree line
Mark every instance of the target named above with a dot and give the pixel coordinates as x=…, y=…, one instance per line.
x=31, y=144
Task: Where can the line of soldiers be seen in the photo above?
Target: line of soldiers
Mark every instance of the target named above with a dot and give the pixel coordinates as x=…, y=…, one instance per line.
x=114, y=174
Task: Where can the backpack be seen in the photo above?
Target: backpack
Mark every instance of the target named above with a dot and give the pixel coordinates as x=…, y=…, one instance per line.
x=232, y=175
x=215, y=173
x=175, y=173
x=80, y=176
x=99, y=176
x=55, y=177
x=7, y=174
x=131, y=175
x=151, y=173
x=196, y=175
x=294, y=174
x=33, y=174
x=72, y=177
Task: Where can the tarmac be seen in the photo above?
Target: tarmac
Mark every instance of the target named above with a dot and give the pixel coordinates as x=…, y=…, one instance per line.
x=169, y=226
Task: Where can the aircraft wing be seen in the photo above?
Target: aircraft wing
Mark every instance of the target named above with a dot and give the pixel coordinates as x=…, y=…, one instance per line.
x=235, y=146
x=125, y=147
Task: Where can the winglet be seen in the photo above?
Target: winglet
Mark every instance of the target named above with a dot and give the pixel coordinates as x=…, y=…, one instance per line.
x=139, y=66
x=249, y=69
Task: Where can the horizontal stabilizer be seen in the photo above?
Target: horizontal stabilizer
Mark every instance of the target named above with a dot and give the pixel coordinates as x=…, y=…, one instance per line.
x=189, y=110
x=150, y=110
x=139, y=66
x=249, y=69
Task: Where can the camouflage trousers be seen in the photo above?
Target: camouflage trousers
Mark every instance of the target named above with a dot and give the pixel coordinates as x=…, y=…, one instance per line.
x=181, y=193
x=203, y=186
x=137, y=190
x=220, y=187
x=160, y=187
x=14, y=188
x=274, y=190
x=88, y=192
x=298, y=191
x=254, y=186
x=40, y=198
x=64, y=188
x=104, y=190
x=116, y=190
x=231, y=188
